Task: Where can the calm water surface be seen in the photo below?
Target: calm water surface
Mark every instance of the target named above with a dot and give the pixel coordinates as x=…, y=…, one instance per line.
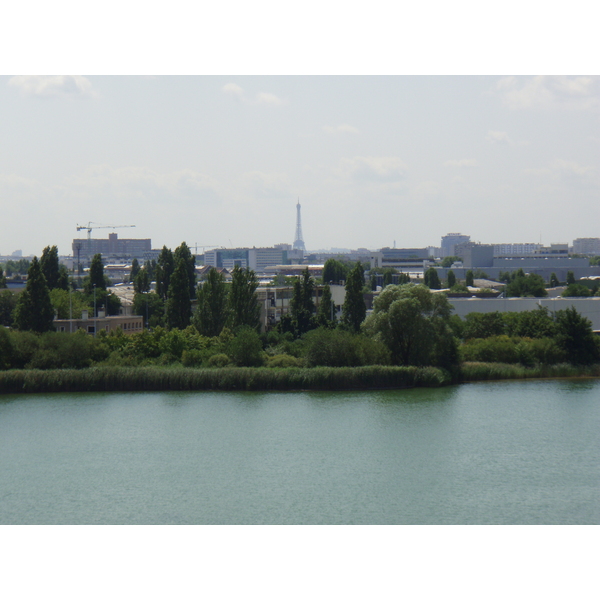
x=493, y=453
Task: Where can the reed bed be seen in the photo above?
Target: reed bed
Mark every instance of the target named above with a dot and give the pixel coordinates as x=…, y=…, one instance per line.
x=480, y=371
x=109, y=379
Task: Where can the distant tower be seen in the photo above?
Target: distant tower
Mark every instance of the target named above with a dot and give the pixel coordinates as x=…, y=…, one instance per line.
x=298, y=241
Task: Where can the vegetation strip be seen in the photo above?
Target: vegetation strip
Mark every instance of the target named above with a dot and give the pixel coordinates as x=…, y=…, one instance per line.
x=113, y=379
x=127, y=379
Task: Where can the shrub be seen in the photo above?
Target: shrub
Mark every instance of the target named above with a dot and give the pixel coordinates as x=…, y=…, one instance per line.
x=219, y=360
x=245, y=349
x=191, y=358
x=284, y=361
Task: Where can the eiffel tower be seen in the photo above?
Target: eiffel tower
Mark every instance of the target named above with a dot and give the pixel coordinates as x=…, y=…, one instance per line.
x=298, y=241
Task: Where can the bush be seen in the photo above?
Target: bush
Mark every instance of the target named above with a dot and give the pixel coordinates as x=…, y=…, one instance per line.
x=219, y=360
x=245, y=349
x=284, y=361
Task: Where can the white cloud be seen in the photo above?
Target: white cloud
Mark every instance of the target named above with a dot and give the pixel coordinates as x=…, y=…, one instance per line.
x=234, y=89
x=344, y=128
x=267, y=98
x=261, y=98
x=520, y=93
x=374, y=168
x=62, y=86
x=463, y=162
x=498, y=137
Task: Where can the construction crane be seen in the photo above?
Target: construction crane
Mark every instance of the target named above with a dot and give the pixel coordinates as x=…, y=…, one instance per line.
x=203, y=248
x=89, y=234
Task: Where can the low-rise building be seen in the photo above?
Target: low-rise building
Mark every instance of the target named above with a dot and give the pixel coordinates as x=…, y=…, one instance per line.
x=127, y=323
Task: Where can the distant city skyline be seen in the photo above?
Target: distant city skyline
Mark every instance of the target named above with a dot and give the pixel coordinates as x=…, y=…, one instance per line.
x=374, y=160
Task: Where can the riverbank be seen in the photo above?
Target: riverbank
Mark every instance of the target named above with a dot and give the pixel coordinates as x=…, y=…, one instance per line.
x=129, y=379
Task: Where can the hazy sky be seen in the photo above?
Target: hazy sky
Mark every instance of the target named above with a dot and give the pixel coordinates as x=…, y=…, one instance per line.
x=374, y=159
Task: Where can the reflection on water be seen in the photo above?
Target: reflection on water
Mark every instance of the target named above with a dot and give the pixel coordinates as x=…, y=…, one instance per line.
x=508, y=452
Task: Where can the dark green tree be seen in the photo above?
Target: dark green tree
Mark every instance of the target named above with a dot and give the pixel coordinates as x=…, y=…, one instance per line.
x=451, y=278
x=354, y=310
x=63, y=282
x=432, y=280
x=576, y=338
x=96, y=277
x=2, y=279
x=334, y=271
x=8, y=301
x=34, y=311
x=50, y=266
x=469, y=280
x=245, y=349
x=449, y=261
x=242, y=300
x=183, y=252
x=576, y=290
x=150, y=266
x=483, y=325
x=135, y=269
x=388, y=276
x=164, y=270
x=570, y=277
x=326, y=314
x=178, y=307
x=141, y=283
x=151, y=307
x=530, y=323
x=302, y=306
x=554, y=280
x=522, y=285
x=211, y=315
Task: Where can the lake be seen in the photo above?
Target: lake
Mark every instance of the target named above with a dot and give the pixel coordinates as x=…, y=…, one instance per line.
x=518, y=452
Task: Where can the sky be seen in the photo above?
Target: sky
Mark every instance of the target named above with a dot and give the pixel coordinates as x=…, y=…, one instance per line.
x=374, y=160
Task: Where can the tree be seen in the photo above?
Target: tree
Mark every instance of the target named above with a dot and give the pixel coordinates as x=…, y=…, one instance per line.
x=554, y=280
x=151, y=306
x=211, y=314
x=2, y=279
x=50, y=267
x=242, y=301
x=354, y=310
x=483, y=325
x=469, y=281
x=164, y=270
x=576, y=338
x=576, y=290
x=522, y=285
x=66, y=304
x=8, y=301
x=63, y=282
x=96, y=277
x=530, y=323
x=245, y=349
x=302, y=306
x=135, y=269
x=178, y=307
x=34, y=311
x=451, y=278
x=570, y=277
x=432, y=280
x=414, y=325
x=334, y=271
x=450, y=260
x=183, y=252
x=141, y=283
x=326, y=314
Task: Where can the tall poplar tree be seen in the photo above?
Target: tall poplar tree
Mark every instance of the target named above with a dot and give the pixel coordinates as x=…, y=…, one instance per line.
x=178, y=308
x=326, y=313
x=183, y=252
x=164, y=270
x=211, y=314
x=34, y=311
x=243, y=300
x=50, y=266
x=354, y=310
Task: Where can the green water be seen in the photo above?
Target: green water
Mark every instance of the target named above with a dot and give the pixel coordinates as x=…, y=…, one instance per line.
x=493, y=453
